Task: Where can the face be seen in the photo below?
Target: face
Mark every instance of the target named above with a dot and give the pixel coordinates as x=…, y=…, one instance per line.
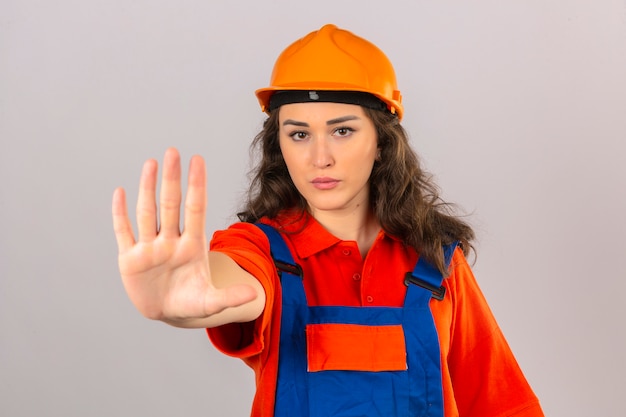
x=329, y=149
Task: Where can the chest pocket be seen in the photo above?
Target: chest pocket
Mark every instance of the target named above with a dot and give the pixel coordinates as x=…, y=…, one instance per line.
x=353, y=347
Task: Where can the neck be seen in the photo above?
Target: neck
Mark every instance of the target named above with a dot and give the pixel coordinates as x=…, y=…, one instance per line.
x=359, y=225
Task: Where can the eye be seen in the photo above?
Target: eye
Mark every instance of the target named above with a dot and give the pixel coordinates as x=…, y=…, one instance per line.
x=298, y=136
x=344, y=131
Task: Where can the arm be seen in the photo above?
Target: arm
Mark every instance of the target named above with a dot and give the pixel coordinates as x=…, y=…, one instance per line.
x=486, y=377
x=167, y=273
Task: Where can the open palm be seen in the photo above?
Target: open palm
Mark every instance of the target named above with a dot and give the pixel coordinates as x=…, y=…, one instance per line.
x=165, y=271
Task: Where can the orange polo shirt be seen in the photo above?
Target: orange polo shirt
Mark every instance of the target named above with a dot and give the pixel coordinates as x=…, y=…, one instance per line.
x=480, y=375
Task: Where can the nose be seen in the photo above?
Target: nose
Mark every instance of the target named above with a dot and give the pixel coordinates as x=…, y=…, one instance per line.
x=321, y=153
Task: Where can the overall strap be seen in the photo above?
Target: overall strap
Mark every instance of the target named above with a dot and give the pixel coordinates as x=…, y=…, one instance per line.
x=424, y=354
x=292, y=362
x=280, y=252
x=425, y=274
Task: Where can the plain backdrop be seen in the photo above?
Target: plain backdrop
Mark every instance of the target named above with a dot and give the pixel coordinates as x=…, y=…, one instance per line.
x=518, y=108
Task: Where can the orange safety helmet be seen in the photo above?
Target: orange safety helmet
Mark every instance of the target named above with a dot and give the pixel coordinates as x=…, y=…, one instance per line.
x=333, y=59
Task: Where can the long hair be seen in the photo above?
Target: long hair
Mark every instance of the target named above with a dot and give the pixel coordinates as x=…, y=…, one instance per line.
x=403, y=197
x=406, y=200
x=271, y=188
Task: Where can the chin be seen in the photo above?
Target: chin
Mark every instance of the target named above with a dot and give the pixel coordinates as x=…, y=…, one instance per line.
x=327, y=206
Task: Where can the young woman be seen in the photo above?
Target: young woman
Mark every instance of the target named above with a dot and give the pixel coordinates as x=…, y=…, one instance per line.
x=345, y=285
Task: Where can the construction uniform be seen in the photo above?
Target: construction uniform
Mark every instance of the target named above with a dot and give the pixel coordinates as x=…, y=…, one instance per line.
x=351, y=339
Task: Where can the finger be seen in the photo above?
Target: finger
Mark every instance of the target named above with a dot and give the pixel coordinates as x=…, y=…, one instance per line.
x=170, y=196
x=195, y=201
x=146, y=203
x=121, y=223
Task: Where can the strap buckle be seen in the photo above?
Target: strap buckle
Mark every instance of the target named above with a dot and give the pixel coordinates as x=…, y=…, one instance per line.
x=293, y=269
x=438, y=293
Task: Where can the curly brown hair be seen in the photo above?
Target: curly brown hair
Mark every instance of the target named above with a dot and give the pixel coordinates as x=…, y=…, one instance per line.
x=403, y=197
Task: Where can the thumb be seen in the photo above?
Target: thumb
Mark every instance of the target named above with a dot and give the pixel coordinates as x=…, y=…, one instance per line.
x=234, y=296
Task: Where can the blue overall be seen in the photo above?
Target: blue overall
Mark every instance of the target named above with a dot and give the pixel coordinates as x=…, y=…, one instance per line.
x=413, y=391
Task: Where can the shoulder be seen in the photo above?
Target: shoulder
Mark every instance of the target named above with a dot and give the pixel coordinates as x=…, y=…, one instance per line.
x=461, y=277
x=238, y=233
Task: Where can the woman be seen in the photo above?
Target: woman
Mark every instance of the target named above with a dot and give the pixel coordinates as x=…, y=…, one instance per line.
x=345, y=285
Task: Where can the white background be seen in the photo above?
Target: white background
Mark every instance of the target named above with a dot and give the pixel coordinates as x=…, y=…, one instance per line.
x=517, y=107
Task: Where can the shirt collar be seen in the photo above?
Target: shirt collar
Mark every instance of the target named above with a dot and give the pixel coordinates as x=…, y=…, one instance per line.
x=307, y=235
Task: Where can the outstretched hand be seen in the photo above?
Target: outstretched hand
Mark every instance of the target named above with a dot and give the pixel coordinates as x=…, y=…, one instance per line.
x=166, y=272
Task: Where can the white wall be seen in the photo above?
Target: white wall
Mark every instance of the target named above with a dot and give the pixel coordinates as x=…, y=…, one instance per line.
x=517, y=107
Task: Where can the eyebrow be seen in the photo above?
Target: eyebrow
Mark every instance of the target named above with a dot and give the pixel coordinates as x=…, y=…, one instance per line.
x=328, y=123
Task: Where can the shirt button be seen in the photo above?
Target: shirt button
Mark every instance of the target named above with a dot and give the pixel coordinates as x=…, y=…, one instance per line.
x=356, y=276
x=346, y=252
x=370, y=299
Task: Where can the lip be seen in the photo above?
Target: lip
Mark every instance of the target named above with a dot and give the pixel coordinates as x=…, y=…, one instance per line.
x=324, y=183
